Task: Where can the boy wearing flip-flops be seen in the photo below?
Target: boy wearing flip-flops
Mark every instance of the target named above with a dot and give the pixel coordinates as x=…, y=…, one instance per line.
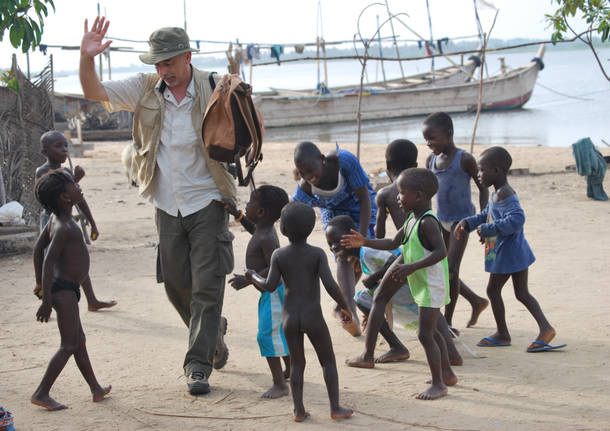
x=507, y=253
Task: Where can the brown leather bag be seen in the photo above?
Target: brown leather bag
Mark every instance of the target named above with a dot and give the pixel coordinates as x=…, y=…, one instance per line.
x=232, y=127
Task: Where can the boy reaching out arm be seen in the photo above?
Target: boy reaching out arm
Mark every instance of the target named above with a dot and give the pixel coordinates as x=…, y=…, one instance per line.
x=425, y=267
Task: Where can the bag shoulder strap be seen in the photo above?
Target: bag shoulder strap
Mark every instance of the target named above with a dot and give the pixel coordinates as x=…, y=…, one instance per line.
x=212, y=80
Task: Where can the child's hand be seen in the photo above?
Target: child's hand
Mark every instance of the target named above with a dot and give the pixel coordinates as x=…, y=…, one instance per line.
x=481, y=237
x=401, y=272
x=38, y=291
x=79, y=173
x=346, y=316
x=230, y=207
x=352, y=240
x=94, y=233
x=44, y=312
x=460, y=230
x=238, y=281
x=369, y=281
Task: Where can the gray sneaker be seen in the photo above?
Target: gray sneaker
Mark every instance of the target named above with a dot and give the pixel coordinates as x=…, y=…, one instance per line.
x=197, y=383
x=221, y=355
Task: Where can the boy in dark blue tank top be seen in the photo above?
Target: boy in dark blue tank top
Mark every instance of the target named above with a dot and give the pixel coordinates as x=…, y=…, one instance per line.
x=454, y=168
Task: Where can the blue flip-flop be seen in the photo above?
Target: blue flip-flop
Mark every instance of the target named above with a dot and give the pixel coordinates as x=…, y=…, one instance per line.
x=544, y=347
x=493, y=342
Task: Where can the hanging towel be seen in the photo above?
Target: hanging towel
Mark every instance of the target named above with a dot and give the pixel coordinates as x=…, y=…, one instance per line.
x=276, y=51
x=590, y=163
x=299, y=48
x=429, y=48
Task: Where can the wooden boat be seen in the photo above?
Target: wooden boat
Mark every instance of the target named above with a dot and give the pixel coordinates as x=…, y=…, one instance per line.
x=453, y=90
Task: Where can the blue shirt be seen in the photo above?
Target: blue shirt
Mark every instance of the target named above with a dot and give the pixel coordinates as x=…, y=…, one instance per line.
x=506, y=250
x=345, y=201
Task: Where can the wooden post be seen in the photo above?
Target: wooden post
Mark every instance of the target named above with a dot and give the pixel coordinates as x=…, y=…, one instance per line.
x=109, y=69
x=52, y=75
x=79, y=131
x=2, y=190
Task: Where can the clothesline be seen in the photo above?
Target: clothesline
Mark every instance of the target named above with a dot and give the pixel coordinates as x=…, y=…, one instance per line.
x=197, y=42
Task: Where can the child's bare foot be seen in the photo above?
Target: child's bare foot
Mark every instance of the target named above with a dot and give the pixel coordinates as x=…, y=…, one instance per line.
x=476, y=311
x=100, y=393
x=276, y=391
x=341, y=413
x=300, y=416
x=98, y=305
x=432, y=393
x=360, y=362
x=47, y=402
x=544, y=336
x=395, y=354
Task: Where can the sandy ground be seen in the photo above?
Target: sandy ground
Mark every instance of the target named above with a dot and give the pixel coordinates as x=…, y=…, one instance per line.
x=138, y=346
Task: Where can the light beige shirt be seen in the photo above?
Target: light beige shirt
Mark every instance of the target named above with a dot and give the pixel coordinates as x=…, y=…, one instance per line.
x=182, y=182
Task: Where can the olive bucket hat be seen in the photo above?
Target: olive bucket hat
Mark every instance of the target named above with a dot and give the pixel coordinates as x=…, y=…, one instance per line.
x=166, y=43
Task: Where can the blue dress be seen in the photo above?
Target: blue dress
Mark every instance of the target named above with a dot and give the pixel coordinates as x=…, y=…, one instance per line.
x=506, y=250
x=343, y=200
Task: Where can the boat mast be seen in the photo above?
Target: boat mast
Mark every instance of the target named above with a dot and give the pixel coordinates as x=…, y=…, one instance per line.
x=402, y=73
x=431, y=40
x=380, y=50
x=320, y=44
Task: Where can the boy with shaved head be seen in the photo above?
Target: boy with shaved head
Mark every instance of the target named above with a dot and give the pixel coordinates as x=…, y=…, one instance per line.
x=54, y=146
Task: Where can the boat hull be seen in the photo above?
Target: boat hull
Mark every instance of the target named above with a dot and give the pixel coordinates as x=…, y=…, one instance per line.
x=508, y=91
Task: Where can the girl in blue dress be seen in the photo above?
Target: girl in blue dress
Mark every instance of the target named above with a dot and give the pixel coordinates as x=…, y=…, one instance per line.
x=337, y=184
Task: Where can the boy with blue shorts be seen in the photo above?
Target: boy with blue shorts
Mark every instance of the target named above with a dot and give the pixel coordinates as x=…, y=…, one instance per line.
x=262, y=211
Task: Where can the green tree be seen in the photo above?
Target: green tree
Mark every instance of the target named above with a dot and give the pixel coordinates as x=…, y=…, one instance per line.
x=595, y=13
x=24, y=21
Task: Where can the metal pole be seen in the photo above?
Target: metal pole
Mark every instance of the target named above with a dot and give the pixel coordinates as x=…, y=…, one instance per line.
x=184, y=9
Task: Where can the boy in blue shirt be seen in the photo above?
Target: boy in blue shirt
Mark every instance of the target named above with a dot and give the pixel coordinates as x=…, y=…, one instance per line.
x=507, y=253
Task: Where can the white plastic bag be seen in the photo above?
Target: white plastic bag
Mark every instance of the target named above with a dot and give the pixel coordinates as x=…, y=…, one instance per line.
x=11, y=213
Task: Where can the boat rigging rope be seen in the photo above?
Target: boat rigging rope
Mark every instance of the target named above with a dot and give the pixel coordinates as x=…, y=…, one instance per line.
x=563, y=94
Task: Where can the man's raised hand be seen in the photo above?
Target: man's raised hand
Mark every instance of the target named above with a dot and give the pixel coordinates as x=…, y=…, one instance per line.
x=91, y=44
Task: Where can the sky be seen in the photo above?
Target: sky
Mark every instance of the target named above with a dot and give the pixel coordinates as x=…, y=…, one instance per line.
x=272, y=22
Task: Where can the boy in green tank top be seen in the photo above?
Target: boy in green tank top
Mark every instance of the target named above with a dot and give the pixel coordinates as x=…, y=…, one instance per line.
x=425, y=267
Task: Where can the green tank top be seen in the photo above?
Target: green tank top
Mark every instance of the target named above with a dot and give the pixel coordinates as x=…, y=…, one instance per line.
x=430, y=285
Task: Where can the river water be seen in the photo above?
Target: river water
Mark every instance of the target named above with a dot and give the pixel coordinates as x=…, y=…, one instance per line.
x=571, y=100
